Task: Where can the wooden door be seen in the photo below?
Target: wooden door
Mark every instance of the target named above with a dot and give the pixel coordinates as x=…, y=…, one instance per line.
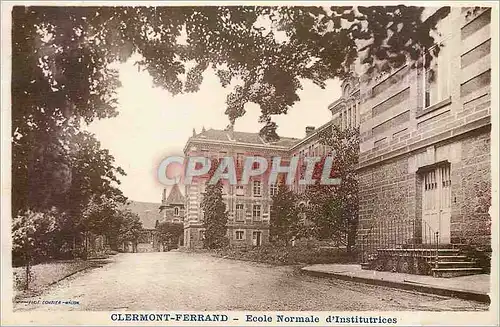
x=436, y=205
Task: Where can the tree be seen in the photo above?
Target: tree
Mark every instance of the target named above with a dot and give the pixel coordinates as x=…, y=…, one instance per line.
x=169, y=232
x=215, y=217
x=130, y=227
x=284, y=224
x=62, y=75
x=31, y=236
x=334, y=208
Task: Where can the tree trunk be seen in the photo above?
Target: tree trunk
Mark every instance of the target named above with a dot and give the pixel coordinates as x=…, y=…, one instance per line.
x=351, y=238
x=85, y=254
x=27, y=271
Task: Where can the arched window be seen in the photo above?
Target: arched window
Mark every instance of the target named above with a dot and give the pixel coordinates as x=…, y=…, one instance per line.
x=347, y=90
x=176, y=211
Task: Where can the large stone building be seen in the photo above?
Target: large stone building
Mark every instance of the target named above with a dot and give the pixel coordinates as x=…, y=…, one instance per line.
x=424, y=168
x=248, y=205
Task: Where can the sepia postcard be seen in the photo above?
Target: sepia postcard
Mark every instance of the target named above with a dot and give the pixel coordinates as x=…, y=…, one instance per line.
x=249, y=163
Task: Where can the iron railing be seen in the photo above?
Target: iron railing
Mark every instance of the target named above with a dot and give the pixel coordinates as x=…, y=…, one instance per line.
x=395, y=234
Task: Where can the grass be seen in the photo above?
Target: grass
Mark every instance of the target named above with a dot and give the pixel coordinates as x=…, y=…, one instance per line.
x=47, y=274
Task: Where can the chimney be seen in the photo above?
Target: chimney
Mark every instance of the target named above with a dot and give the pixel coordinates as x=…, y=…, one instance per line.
x=309, y=130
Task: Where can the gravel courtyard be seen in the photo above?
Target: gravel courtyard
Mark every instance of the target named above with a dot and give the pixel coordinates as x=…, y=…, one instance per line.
x=189, y=281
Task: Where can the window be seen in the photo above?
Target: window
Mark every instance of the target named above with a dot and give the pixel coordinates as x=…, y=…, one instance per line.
x=256, y=212
x=476, y=24
x=257, y=238
x=240, y=212
x=240, y=190
x=356, y=113
x=239, y=234
x=437, y=74
x=255, y=164
x=239, y=159
x=257, y=188
x=273, y=189
x=202, y=234
x=176, y=211
x=436, y=79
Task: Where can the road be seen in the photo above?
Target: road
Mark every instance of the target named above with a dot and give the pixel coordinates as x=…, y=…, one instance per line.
x=189, y=281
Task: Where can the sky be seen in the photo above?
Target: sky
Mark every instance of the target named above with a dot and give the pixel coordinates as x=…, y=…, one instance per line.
x=153, y=124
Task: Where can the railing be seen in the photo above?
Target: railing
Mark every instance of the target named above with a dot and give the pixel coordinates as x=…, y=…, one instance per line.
x=398, y=234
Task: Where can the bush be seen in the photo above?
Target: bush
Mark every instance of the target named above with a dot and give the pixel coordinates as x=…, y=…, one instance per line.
x=307, y=253
x=32, y=235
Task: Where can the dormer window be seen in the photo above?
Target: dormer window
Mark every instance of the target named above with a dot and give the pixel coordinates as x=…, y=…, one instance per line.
x=347, y=90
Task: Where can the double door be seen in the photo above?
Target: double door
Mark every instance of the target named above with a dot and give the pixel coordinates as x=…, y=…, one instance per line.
x=436, y=205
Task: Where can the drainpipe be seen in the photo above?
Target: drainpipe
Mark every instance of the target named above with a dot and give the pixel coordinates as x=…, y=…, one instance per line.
x=437, y=249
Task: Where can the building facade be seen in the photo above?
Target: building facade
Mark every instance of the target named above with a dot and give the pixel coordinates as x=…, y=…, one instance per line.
x=424, y=170
x=424, y=164
x=248, y=205
x=149, y=216
x=173, y=206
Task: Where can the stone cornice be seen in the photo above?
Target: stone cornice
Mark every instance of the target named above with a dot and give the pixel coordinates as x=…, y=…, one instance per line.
x=444, y=136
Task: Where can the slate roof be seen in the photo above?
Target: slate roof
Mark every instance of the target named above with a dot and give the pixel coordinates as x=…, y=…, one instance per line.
x=148, y=213
x=243, y=137
x=175, y=196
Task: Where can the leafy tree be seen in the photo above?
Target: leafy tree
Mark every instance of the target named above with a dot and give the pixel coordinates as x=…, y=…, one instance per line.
x=59, y=80
x=93, y=177
x=284, y=224
x=62, y=56
x=31, y=236
x=169, y=232
x=130, y=227
x=334, y=208
x=62, y=77
x=215, y=217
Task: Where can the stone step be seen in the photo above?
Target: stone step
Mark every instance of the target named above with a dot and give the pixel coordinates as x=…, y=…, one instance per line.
x=420, y=252
x=454, y=258
x=455, y=272
x=430, y=246
x=455, y=264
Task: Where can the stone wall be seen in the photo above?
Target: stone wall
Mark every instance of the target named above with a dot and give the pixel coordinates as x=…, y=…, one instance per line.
x=392, y=191
x=471, y=196
x=454, y=131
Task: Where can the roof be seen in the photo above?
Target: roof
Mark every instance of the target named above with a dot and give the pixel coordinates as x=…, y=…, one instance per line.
x=241, y=137
x=312, y=134
x=174, y=197
x=148, y=213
